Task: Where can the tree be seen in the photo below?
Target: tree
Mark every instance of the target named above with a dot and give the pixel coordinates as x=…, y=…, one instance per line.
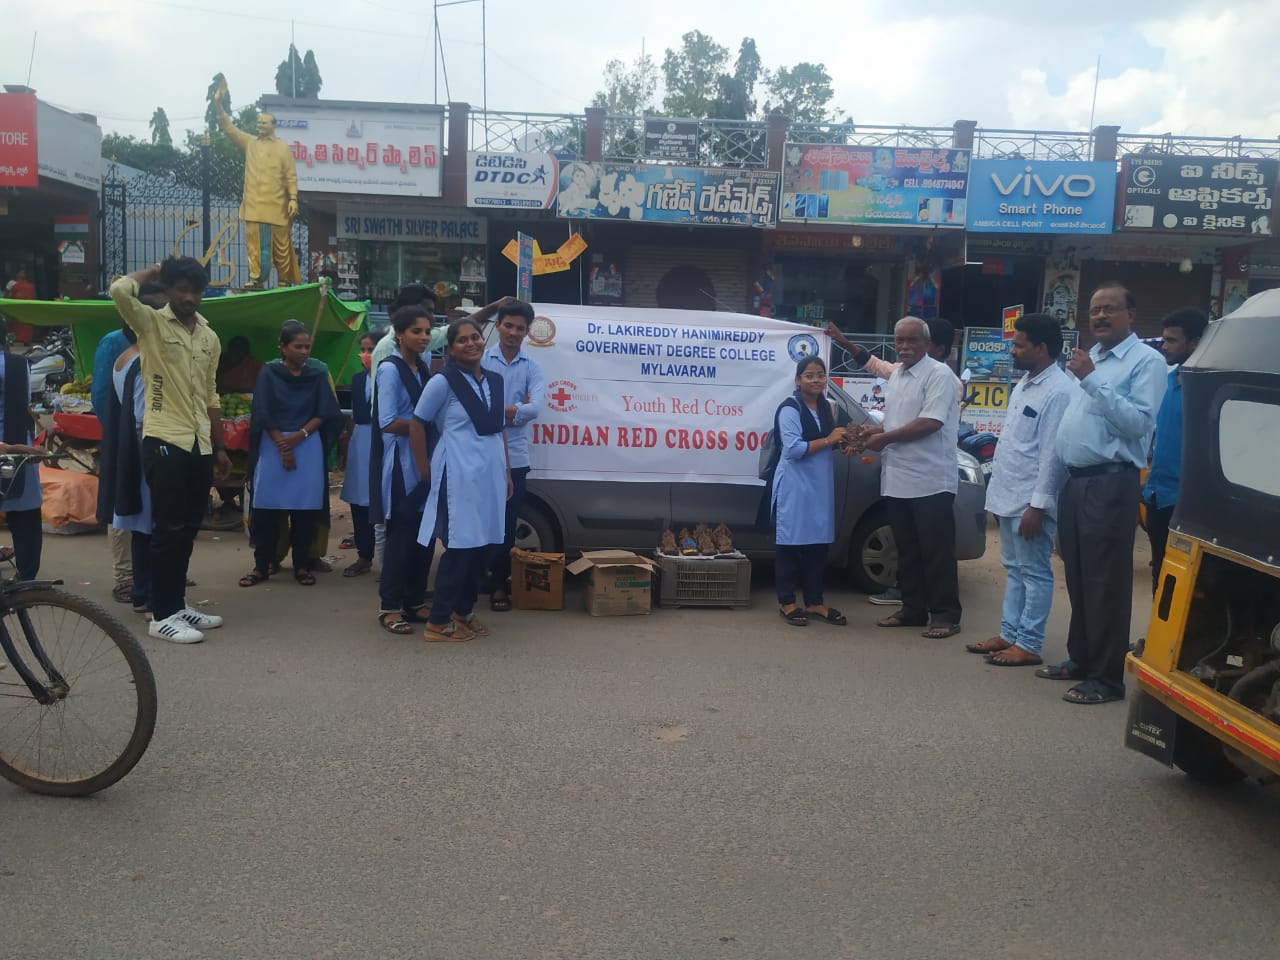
x=160, y=128
x=802, y=93
x=692, y=75
x=298, y=77
x=735, y=99
x=628, y=90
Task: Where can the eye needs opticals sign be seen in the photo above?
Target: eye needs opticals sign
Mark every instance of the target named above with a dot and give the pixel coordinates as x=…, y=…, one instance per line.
x=1041, y=196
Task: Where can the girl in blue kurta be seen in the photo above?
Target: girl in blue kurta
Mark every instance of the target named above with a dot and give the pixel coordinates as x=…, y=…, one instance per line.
x=131, y=497
x=20, y=498
x=355, y=482
x=804, y=495
x=397, y=491
x=294, y=418
x=470, y=479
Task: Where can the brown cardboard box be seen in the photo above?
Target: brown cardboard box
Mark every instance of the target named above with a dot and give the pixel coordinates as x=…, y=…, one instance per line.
x=537, y=580
x=619, y=583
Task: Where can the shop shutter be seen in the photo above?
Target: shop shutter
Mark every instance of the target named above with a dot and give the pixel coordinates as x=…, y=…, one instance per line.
x=726, y=269
x=1159, y=288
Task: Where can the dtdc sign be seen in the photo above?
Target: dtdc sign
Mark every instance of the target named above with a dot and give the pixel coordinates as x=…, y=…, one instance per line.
x=1041, y=196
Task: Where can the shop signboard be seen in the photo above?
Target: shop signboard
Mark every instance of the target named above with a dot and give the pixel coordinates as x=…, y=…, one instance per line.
x=377, y=149
x=987, y=370
x=524, y=180
x=670, y=139
x=19, y=157
x=882, y=186
x=659, y=193
x=1199, y=194
x=1008, y=317
x=398, y=225
x=1041, y=196
x=659, y=395
x=70, y=148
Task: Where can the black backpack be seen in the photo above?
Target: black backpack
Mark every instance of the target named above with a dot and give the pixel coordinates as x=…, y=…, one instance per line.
x=771, y=449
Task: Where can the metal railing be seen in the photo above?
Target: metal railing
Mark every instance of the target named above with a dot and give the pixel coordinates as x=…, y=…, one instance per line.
x=1168, y=144
x=503, y=132
x=721, y=143
x=996, y=144
x=871, y=135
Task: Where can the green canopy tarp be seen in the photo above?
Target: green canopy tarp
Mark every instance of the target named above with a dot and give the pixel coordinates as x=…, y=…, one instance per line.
x=255, y=316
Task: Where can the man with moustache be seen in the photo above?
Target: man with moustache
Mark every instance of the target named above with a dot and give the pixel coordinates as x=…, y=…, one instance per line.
x=1103, y=442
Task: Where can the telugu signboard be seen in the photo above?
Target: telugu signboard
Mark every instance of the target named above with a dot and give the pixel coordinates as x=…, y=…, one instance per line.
x=382, y=149
x=659, y=395
x=19, y=159
x=409, y=226
x=671, y=139
x=874, y=185
x=1041, y=196
x=987, y=369
x=657, y=193
x=523, y=180
x=1199, y=194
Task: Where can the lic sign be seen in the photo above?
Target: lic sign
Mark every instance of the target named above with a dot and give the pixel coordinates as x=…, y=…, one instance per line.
x=1041, y=196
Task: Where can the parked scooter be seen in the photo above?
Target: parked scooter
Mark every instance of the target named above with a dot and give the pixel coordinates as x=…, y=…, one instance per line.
x=52, y=363
x=981, y=444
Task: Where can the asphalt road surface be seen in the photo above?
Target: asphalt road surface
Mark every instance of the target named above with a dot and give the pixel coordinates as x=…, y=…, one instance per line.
x=690, y=784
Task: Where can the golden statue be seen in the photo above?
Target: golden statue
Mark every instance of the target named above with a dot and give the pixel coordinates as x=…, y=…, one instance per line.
x=270, y=198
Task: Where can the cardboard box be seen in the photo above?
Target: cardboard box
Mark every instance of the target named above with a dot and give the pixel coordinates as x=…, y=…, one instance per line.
x=619, y=583
x=537, y=580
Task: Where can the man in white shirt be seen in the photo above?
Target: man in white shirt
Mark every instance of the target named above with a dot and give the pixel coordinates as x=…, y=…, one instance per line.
x=1023, y=493
x=918, y=478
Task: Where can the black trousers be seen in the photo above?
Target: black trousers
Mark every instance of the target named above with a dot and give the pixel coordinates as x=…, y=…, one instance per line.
x=406, y=565
x=500, y=564
x=1097, y=518
x=265, y=527
x=925, y=531
x=1158, y=533
x=26, y=528
x=363, y=531
x=458, y=581
x=805, y=564
x=180, y=481
x=140, y=553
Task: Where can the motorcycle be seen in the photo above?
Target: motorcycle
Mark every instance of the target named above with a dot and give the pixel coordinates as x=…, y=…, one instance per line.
x=981, y=444
x=52, y=363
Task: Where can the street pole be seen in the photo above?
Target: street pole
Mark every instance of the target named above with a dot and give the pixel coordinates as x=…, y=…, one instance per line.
x=205, y=173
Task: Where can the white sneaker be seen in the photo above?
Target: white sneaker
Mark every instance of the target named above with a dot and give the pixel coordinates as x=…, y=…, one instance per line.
x=199, y=619
x=174, y=629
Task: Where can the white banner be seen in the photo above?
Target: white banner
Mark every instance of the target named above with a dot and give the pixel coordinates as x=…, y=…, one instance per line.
x=70, y=147
x=525, y=180
x=366, y=148
x=660, y=395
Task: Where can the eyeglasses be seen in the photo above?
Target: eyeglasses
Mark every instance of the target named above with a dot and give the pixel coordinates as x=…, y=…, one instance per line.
x=814, y=377
x=1105, y=310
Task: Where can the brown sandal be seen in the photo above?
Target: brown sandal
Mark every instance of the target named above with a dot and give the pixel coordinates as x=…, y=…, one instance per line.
x=451, y=632
x=897, y=621
x=470, y=622
x=988, y=646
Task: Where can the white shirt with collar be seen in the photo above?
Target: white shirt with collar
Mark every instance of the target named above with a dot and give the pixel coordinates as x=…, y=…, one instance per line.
x=924, y=467
x=1027, y=471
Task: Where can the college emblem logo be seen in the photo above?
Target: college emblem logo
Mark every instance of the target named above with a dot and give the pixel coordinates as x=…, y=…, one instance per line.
x=802, y=345
x=542, y=332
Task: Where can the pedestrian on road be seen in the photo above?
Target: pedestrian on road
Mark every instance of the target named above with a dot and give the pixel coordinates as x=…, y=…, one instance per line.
x=1026, y=478
x=397, y=492
x=1103, y=442
x=522, y=385
x=355, y=481
x=803, y=499
x=182, y=447
x=470, y=478
x=292, y=423
x=20, y=497
x=918, y=478
x=105, y=356
x=1182, y=332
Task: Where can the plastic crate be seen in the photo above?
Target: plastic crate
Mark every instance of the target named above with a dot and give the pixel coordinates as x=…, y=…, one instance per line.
x=703, y=581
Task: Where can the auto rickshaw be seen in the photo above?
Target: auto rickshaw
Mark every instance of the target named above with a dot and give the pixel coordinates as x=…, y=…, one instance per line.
x=1208, y=672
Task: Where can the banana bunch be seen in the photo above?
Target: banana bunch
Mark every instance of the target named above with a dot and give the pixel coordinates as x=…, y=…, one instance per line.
x=78, y=388
x=235, y=405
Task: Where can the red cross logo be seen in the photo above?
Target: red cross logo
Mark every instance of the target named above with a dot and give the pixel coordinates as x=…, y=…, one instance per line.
x=561, y=397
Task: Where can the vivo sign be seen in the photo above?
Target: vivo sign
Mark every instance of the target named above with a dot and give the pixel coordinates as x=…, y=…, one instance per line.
x=1058, y=196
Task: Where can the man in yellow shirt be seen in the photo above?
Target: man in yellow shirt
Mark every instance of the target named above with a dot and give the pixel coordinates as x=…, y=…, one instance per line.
x=182, y=447
x=270, y=199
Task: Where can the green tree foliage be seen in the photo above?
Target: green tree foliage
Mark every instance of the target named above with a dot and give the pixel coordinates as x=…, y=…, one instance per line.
x=298, y=76
x=692, y=75
x=801, y=93
x=735, y=99
x=628, y=90
x=160, y=128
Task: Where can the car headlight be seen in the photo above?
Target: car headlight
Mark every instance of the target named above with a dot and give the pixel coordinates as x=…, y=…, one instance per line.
x=970, y=469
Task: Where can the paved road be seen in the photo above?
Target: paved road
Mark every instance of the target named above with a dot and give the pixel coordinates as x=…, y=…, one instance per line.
x=693, y=784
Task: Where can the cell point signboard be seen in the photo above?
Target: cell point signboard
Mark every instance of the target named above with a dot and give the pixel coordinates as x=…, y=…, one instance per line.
x=1041, y=196
x=382, y=149
x=659, y=395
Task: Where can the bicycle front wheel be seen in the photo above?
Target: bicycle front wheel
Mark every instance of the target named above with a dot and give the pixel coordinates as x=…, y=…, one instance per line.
x=103, y=710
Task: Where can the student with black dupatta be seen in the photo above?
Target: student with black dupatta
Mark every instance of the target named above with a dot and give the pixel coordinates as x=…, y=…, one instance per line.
x=470, y=478
x=293, y=421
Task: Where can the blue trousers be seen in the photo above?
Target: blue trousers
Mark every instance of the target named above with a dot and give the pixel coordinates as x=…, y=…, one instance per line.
x=1028, y=590
x=806, y=564
x=458, y=581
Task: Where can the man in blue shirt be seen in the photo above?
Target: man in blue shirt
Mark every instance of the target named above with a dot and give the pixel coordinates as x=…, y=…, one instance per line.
x=1182, y=332
x=1103, y=442
x=522, y=387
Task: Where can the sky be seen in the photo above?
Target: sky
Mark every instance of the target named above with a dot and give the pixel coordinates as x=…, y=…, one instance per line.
x=1181, y=66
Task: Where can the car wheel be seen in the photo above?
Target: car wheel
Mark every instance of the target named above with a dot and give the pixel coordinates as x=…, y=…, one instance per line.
x=534, y=530
x=873, y=554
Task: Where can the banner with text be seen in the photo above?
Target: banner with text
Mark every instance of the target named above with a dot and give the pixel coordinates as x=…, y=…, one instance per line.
x=662, y=395
x=1199, y=194
x=407, y=226
x=987, y=369
x=668, y=194
x=874, y=185
x=1041, y=196
x=523, y=180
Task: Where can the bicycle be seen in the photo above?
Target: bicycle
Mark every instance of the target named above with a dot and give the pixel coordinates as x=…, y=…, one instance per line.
x=78, y=708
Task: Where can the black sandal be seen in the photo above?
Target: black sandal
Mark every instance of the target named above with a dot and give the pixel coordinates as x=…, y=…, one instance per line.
x=400, y=627
x=253, y=578
x=832, y=616
x=356, y=569
x=499, y=604
x=417, y=614
x=796, y=618
x=305, y=577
